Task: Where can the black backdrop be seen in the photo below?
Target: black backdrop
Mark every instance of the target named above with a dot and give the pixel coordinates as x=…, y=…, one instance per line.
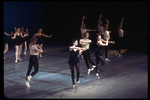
x=63, y=19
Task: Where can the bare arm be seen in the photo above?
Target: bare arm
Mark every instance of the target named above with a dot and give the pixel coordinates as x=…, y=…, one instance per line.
x=100, y=43
x=85, y=42
x=121, y=22
x=39, y=49
x=90, y=30
x=82, y=22
x=8, y=34
x=99, y=20
x=46, y=35
x=14, y=36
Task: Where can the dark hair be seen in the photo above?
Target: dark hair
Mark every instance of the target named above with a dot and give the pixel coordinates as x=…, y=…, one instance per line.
x=84, y=34
x=73, y=41
x=33, y=39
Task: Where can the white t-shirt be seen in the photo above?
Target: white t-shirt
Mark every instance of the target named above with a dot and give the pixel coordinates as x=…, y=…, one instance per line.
x=86, y=45
x=100, y=29
x=106, y=35
x=33, y=49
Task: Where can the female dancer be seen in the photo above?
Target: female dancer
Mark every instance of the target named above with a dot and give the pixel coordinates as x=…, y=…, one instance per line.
x=33, y=60
x=6, y=42
x=100, y=26
x=73, y=60
x=39, y=35
x=120, y=39
x=106, y=37
x=18, y=42
x=83, y=29
x=99, y=52
x=25, y=39
x=85, y=42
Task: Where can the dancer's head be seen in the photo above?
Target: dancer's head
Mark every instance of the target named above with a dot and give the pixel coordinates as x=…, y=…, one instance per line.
x=33, y=40
x=18, y=29
x=75, y=42
x=86, y=35
x=40, y=30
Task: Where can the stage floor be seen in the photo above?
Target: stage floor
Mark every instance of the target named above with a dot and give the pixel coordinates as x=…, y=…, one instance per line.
x=125, y=77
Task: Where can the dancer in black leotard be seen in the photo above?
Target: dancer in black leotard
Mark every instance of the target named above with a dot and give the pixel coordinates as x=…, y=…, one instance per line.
x=24, y=39
x=40, y=40
x=73, y=60
x=18, y=42
x=99, y=52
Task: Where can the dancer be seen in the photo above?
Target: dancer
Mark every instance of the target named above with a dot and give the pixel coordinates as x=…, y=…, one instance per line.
x=120, y=39
x=106, y=37
x=100, y=26
x=18, y=42
x=99, y=52
x=85, y=42
x=83, y=29
x=6, y=42
x=73, y=60
x=33, y=60
x=25, y=39
x=39, y=37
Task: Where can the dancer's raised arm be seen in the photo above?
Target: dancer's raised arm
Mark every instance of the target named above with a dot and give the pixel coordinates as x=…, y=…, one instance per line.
x=121, y=23
x=82, y=24
x=99, y=22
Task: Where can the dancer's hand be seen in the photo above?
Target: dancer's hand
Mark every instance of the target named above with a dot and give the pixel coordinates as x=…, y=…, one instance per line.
x=50, y=36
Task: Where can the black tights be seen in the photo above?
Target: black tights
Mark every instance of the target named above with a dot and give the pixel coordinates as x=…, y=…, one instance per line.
x=106, y=51
x=99, y=58
x=72, y=72
x=87, y=57
x=33, y=61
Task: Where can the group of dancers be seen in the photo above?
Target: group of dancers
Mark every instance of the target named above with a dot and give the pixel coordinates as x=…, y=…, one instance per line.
x=36, y=43
x=19, y=37
x=102, y=46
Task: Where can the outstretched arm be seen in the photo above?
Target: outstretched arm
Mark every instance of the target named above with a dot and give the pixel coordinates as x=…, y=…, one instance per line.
x=8, y=34
x=46, y=35
x=90, y=30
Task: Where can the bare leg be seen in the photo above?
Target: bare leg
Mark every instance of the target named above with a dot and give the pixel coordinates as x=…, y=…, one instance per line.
x=17, y=52
x=25, y=48
x=6, y=49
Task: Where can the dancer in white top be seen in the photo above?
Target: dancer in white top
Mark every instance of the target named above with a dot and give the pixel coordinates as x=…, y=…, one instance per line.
x=83, y=29
x=33, y=60
x=85, y=42
x=106, y=37
x=120, y=39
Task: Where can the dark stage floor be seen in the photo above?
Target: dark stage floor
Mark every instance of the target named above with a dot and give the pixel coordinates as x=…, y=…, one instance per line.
x=125, y=77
